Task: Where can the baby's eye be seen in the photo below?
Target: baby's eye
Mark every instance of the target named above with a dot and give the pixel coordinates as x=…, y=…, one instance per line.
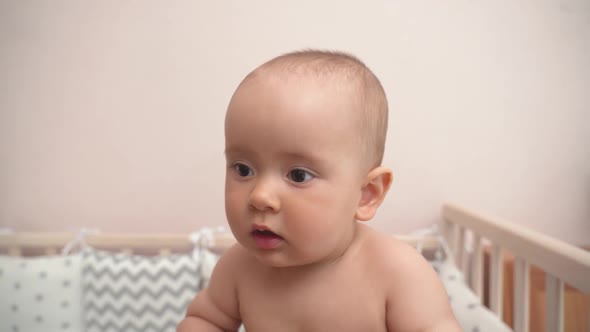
x=300, y=175
x=243, y=170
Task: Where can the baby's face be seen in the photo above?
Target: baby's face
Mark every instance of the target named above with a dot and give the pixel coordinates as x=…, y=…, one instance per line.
x=294, y=173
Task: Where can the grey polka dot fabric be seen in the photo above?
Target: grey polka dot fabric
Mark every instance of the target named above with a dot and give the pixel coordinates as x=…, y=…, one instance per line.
x=35, y=296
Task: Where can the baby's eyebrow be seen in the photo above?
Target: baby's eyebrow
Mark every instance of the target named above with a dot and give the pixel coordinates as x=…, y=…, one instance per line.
x=231, y=150
x=306, y=157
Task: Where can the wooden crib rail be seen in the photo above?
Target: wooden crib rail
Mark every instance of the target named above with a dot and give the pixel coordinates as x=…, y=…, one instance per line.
x=562, y=262
x=51, y=243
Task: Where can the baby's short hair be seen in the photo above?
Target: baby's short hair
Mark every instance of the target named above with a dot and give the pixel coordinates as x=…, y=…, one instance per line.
x=345, y=68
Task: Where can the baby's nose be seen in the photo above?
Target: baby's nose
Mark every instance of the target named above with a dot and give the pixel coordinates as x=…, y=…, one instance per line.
x=264, y=196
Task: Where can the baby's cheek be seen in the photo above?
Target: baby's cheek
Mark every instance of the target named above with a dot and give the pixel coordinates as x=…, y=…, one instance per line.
x=234, y=207
x=313, y=222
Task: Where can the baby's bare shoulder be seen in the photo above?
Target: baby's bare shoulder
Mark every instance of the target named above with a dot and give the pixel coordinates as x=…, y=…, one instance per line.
x=392, y=255
x=416, y=298
x=402, y=269
x=234, y=262
x=216, y=307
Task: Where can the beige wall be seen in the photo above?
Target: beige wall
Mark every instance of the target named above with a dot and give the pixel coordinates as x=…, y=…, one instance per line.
x=111, y=112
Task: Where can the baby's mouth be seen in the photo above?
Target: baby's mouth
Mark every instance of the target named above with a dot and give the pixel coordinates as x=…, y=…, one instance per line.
x=264, y=233
x=266, y=239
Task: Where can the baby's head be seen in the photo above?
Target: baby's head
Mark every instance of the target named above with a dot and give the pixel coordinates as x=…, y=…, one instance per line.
x=305, y=135
x=345, y=77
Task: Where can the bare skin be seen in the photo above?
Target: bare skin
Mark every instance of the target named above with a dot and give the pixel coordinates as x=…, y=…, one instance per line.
x=295, y=172
x=379, y=284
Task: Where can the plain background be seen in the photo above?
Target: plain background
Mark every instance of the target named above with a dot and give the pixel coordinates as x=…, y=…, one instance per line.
x=111, y=112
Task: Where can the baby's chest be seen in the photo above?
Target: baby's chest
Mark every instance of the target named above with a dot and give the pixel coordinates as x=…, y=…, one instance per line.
x=339, y=304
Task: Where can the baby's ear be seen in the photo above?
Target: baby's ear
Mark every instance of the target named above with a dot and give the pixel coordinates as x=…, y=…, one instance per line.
x=373, y=192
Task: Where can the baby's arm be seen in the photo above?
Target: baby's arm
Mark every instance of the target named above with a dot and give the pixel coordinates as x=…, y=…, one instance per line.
x=216, y=307
x=417, y=300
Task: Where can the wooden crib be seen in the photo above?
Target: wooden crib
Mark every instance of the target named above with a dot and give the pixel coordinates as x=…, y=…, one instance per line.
x=562, y=263
x=469, y=235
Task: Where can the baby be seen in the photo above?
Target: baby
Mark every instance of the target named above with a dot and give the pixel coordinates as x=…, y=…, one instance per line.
x=304, y=140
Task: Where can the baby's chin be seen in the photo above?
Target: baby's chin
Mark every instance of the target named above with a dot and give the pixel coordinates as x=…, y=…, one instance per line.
x=273, y=258
x=282, y=260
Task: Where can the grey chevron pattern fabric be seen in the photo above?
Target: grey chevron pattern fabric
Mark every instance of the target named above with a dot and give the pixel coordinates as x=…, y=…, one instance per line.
x=136, y=293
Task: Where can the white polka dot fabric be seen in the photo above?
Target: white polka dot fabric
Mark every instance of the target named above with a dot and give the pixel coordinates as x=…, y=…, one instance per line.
x=472, y=315
x=40, y=294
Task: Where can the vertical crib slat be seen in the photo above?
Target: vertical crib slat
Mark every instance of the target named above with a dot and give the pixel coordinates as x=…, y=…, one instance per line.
x=521, y=295
x=461, y=252
x=447, y=228
x=454, y=233
x=554, y=293
x=477, y=267
x=496, y=280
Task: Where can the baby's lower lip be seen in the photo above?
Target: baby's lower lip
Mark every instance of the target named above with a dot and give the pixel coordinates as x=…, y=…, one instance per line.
x=266, y=240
